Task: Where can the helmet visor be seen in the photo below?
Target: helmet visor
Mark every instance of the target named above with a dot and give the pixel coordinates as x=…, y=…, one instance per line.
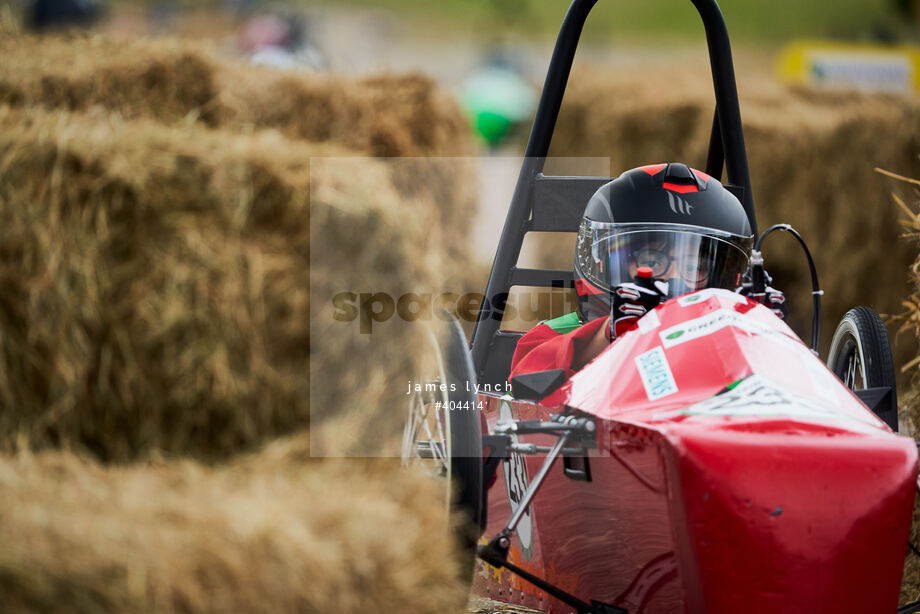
x=688, y=258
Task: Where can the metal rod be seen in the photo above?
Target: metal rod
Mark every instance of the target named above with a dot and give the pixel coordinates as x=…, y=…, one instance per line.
x=726, y=92
x=532, y=448
x=512, y=237
x=571, y=600
x=429, y=449
x=715, y=159
x=535, y=484
x=530, y=427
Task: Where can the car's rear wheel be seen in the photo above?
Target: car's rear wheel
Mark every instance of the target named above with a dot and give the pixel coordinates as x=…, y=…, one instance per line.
x=443, y=434
x=860, y=354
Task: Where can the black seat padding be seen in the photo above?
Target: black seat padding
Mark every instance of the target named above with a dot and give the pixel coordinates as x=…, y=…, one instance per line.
x=498, y=364
x=559, y=202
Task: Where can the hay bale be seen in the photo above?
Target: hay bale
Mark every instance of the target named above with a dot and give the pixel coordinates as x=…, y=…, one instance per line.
x=152, y=287
x=384, y=115
x=155, y=285
x=172, y=81
x=386, y=248
x=166, y=80
x=811, y=158
x=271, y=533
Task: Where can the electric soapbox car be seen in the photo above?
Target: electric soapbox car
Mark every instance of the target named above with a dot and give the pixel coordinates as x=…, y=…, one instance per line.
x=710, y=461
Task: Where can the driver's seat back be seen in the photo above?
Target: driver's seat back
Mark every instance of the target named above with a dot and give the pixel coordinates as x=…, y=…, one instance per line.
x=556, y=205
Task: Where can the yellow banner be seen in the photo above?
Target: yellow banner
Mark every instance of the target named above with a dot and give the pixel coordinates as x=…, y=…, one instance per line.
x=894, y=68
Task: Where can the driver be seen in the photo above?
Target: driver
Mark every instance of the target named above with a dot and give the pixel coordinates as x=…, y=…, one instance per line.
x=654, y=233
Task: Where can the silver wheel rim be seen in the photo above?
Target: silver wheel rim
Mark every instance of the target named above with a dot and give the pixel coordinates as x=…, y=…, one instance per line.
x=426, y=442
x=846, y=341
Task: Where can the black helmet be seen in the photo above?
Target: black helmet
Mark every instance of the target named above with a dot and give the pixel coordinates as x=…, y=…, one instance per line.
x=680, y=222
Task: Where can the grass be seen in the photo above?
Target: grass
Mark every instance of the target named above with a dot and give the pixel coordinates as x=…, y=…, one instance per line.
x=662, y=22
x=667, y=20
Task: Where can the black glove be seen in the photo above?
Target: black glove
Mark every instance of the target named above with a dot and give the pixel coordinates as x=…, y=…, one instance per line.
x=772, y=298
x=630, y=301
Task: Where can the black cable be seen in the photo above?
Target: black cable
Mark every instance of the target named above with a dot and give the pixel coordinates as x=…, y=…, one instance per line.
x=815, y=288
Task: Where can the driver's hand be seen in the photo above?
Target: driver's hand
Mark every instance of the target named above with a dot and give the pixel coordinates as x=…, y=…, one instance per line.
x=772, y=298
x=629, y=302
x=776, y=301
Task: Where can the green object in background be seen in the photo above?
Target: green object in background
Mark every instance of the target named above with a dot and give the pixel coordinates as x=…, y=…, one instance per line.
x=492, y=127
x=496, y=98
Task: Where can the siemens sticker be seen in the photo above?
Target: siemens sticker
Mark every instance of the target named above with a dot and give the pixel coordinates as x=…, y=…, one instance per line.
x=656, y=374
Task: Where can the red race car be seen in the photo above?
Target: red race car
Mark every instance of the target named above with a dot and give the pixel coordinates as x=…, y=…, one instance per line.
x=707, y=461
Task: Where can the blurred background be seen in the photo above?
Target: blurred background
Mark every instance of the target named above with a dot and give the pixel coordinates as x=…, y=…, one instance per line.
x=185, y=186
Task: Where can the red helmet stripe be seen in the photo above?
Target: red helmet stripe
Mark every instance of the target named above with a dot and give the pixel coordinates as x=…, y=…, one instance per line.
x=582, y=286
x=652, y=169
x=683, y=189
x=703, y=176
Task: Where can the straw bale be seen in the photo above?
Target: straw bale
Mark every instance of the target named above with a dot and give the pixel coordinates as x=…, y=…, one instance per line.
x=394, y=243
x=156, y=285
x=910, y=579
x=274, y=532
x=384, y=115
x=166, y=80
x=811, y=156
x=170, y=80
x=909, y=411
x=152, y=286
x=907, y=199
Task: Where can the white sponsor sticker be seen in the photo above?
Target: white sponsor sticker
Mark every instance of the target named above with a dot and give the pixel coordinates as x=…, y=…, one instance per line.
x=516, y=483
x=656, y=374
x=869, y=71
x=713, y=321
x=649, y=321
x=823, y=381
x=702, y=295
x=756, y=396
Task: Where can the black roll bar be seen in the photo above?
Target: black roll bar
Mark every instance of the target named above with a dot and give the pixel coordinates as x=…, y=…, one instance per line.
x=726, y=147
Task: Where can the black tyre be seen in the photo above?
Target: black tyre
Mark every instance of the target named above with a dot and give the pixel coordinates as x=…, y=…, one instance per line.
x=443, y=430
x=860, y=356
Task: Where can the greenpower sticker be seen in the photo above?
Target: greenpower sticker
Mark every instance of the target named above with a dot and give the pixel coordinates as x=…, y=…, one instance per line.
x=707, y=293
x=717, y=320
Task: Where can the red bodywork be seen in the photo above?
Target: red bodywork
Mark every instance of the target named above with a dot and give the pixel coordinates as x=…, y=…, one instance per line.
x=733, y=473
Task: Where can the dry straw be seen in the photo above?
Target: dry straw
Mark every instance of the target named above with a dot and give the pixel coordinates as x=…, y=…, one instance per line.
x=155, y=260
x=909, y=316
x=173, y=81
x=158, y=209
x=909, y=403
x=275, y=532
x=156, y=284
